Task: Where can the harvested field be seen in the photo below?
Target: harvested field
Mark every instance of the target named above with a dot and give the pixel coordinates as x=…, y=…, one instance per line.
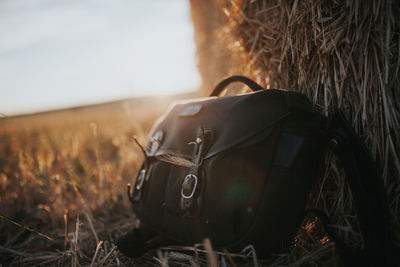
x=63, y=179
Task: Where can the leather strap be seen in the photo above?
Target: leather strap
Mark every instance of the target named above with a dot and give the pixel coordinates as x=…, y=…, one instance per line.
x=237, y=78
x=366, y=185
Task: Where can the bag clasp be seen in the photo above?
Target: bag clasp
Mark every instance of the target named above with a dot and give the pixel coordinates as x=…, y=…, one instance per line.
x=189, y=186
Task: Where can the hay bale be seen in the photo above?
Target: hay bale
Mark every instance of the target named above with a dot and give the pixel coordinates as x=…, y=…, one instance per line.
x=214, y=61
x=340, y=54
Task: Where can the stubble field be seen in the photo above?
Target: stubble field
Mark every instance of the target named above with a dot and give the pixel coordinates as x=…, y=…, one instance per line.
x=63, y=179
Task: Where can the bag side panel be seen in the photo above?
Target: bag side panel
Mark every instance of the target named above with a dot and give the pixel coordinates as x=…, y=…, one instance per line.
x=287, y=188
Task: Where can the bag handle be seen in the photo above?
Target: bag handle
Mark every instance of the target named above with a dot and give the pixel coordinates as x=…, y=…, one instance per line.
x=236, y=78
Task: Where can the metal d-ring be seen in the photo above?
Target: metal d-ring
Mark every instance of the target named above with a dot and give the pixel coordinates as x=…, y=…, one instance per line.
x=140, y=179
x=194, y=187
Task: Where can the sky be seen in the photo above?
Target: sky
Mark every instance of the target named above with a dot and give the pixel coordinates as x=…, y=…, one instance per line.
x=63, y=53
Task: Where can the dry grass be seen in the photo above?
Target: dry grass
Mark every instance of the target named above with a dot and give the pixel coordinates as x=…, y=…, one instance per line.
x=63, y=179
x=340, y=54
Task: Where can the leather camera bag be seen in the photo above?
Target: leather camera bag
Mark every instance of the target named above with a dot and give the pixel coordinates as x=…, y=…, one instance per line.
x=239, y=169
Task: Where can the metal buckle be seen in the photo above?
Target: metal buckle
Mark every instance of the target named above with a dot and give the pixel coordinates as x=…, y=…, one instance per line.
x=141, y=177
x=154, y=143
x=189, y=176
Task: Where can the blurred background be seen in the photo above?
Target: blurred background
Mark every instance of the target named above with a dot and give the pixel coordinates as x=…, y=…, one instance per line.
x=58, y=54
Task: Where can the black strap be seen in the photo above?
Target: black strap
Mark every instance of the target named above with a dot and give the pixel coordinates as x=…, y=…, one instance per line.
x=237, y=78
x=367, y=189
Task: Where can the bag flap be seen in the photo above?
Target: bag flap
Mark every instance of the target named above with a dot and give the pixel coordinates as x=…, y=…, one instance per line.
x=232, y=119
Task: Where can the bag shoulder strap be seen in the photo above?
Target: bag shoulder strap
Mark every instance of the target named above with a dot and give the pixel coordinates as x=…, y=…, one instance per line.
x=367, y=188
x=237, y=78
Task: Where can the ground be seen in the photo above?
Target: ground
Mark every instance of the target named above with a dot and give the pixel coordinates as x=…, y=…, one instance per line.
x=63, y=177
